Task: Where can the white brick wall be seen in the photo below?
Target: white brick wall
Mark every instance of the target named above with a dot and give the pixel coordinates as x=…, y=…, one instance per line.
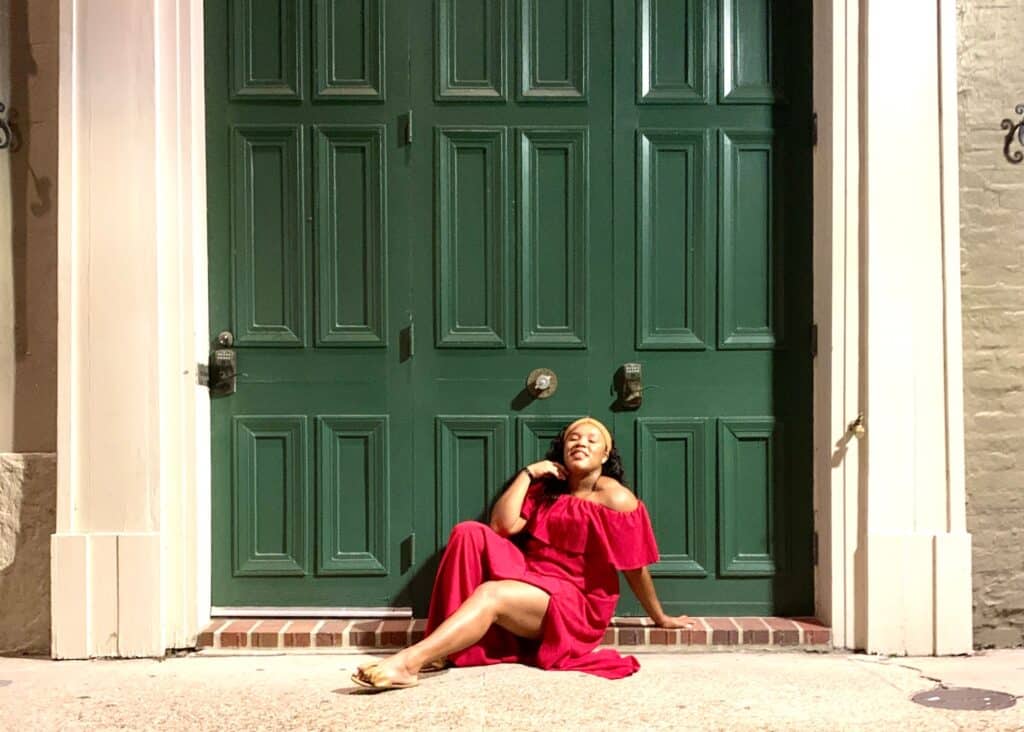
x=991, y=84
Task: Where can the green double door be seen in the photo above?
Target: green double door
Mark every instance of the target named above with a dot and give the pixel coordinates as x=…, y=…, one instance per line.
x=413, y=205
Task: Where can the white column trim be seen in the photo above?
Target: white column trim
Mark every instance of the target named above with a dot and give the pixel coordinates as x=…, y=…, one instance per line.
x=836, y=312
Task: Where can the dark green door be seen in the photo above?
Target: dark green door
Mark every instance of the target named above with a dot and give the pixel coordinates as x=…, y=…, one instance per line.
x=414, y=205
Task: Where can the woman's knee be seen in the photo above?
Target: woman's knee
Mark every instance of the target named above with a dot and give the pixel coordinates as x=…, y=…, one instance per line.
x=489, y=594
x=468, y=530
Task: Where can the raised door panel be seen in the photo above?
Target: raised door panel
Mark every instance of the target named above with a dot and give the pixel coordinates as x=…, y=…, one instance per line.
x=553, y=237
x=674, y=224
x=473, y=237
x=747, y=63
x=554, y=50
x=351, y=241
x=270, y=495
x=470, y=51
x=751, y=537
x=353, y=494
x=672, y=51
x=266, y=49
x=268, y=235
x=750, y=286
x=473, y=460
x=674, y=467
x=350, y=50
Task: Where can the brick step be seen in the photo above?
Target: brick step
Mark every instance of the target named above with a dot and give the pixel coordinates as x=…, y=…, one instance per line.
x=639, y=633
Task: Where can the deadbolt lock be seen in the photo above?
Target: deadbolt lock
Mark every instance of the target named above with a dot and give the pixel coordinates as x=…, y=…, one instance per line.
x=541, y=383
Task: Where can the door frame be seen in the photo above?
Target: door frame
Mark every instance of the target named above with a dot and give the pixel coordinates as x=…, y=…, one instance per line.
x=155, y=139
x=836, y=303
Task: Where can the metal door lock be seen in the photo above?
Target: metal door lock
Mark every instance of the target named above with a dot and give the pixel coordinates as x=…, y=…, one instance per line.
x=631, y=393
x=223, y=367
x=541, y=383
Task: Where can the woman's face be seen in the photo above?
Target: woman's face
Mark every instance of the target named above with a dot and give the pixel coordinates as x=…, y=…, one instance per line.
x=585, y=450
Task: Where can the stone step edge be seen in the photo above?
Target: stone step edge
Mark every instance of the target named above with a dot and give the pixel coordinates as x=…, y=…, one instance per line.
x=267, y=633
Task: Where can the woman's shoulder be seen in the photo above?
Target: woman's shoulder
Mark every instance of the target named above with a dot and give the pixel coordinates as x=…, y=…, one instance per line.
x=614, y=495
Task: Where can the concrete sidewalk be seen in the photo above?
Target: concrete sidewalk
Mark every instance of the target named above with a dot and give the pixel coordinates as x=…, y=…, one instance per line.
x=738, y=690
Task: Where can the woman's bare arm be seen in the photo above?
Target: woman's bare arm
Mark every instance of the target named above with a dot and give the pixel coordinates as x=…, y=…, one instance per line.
x=505, y=518
x=643, y=587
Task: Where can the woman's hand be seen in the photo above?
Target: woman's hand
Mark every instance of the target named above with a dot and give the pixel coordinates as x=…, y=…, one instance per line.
x=546, y=469
x=678, y=621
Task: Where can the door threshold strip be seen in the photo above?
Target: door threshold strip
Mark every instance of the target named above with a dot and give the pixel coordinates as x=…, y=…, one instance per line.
x=310, y=612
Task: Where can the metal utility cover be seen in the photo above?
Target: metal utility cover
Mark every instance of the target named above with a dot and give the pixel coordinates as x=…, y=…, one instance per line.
x=964, y=698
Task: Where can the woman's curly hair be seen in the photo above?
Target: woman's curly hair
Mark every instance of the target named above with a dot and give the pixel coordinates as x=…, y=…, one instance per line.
x=612, y=467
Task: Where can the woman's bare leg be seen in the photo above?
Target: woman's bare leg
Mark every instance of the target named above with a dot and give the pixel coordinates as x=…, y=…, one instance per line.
x=518, y=607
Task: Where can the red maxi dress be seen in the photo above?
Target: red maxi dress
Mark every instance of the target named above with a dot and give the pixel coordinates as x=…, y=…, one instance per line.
x=573, y=550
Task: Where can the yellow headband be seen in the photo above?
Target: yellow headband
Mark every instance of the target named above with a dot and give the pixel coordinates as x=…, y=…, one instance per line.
x=600, y=428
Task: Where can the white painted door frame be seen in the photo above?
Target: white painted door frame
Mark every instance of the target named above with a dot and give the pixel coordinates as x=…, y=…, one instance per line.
x=131, y=556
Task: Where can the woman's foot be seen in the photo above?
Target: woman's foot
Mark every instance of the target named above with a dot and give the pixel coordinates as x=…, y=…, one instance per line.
x=391, y=673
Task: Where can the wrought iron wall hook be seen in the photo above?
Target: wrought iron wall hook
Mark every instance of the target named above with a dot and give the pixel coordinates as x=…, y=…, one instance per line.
x=5, y=130
x=1014, y=130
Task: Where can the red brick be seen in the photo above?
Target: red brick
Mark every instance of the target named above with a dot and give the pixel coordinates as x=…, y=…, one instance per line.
x=297, y=635
x=723, y=632
x=236, y=634
x=266, y=634
x=755, y=631
x=332, y=633
x=207, y=636
x=609, y=637
x=815, y=633
x=418, y=631
x=364, y=633
x=664, y=637
x=394, y=633
x=784, y=631
x=631, y=636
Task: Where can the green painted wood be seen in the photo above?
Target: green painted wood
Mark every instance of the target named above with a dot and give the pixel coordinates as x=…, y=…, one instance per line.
x=353, y=495
x=554, y=50
x=672, y=67
x=473, y=460
x=270, y=274
x=745, y=371
x=471, y=50
x=473, y=237
x=350, y=50
x=751, y=521
x=554, y=182
x=749, y=281
x=747, y=63
x=271, y=504
x=350, y=201
x=266, y=49
x=617, y=207
x=675, y=214
x=675, y=478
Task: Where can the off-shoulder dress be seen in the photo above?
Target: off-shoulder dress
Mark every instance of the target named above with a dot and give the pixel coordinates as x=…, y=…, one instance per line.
x=572, y=549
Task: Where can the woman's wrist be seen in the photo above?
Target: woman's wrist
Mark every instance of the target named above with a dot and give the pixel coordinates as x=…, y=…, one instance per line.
x=529, y=473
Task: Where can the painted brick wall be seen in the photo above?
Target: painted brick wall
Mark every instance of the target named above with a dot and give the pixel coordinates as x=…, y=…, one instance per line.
x=991, y=84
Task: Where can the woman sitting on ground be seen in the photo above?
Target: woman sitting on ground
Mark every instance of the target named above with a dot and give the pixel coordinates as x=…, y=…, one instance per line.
x=548, y=603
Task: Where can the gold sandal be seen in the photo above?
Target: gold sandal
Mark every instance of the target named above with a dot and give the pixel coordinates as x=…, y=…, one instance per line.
x=370, y=677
